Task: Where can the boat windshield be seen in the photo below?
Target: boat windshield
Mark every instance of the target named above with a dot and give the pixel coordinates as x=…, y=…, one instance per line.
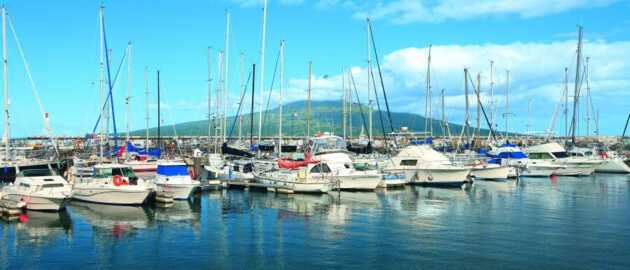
x=328, y=144
x=35, y=173
x=540, y=156
x=363, y=166
x=109, y=172
x=560, y=154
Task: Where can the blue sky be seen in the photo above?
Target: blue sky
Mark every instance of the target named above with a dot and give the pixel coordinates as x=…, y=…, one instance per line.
x=534, y=39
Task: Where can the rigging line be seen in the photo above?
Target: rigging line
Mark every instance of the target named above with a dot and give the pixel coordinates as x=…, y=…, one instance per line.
x=104, y=107
x=380, y=74
x=238, y=111
x=33, y=86
x=380, y=112
x=482, y=109
x=273, y=80
x=360, y=106
x=109, y=82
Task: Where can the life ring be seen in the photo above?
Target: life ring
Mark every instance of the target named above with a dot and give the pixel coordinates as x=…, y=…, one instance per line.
x=118, y=180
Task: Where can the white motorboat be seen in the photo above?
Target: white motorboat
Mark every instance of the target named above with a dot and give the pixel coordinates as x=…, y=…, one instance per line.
x=332, y=151
x=172, y=177
x=423, y=165
x=611, y=162
x=554, y=154
x=41, y=189
x=314, y=178
x=512, y=156
x=111, y=184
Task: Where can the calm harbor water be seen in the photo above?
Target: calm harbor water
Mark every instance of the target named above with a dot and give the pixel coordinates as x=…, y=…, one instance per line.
x=566, y=222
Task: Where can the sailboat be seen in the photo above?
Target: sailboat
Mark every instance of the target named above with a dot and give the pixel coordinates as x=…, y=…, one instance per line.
x=114, y=184
x=30, y=181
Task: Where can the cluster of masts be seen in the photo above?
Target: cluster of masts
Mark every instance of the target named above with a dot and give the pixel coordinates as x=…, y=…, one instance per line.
x=219, y=128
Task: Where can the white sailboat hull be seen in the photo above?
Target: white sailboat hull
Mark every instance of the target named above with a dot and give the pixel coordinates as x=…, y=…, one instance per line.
x=295, y=186
x=359, y=181
x=439, y=176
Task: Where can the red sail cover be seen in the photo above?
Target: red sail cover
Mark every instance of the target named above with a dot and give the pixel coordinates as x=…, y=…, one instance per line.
x=285, y=163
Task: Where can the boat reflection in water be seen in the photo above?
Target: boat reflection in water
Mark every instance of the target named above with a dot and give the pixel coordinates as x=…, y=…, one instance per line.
x=180, y=213
x=40, y=228
x=112, y=220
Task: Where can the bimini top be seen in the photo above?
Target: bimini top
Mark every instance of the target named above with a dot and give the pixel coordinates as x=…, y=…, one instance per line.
x=507, y=151
x=172, y=169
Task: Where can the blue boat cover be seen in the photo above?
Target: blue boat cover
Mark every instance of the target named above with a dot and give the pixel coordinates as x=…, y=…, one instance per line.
x=172, y=170
x=153, y=152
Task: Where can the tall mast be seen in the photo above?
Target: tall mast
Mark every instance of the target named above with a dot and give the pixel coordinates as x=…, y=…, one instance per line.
x=566, y=102
x=262, y=69
x=5, y=76
x=427, y=100
x=251, y=112
x=280, y=101
x=101, y=80
x=587, y=99
x=219, y=93
x=344, y=104
x=443, y=113
x=128, y=99
x=242, y=86
x=507, y=103
x=350, y=106
x=210, y=120
x=467, y=114
x=226, y=88
x=491, y=103
x=147, y=116
x=308, y=102
x=158, y=111
x=478, y=105
x=576, y=92
x=529, y=117
x=369, y=82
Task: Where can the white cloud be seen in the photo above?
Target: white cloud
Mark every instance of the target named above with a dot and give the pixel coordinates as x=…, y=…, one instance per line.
x=412, y=11
x=536, y=69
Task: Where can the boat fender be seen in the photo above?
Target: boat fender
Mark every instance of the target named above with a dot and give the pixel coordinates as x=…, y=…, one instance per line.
x=118, y=180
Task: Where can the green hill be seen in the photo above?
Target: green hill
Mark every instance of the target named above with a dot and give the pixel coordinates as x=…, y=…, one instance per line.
x=326, y=116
